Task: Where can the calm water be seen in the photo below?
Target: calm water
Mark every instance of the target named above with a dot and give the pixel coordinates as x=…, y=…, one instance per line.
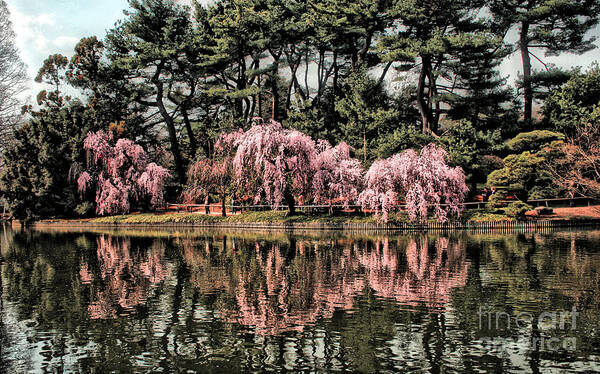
x=177, y=301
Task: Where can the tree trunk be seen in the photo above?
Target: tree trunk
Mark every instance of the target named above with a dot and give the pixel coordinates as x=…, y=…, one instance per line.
x=364, y=146
x=527, y=90
x=190, y=132
x=275, y=88
x=290, y=201
x=260, y=104
x=223, y=212
x=421, y=103
x=179, y=167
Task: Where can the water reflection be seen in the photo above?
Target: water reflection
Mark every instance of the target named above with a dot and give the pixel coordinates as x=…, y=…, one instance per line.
x=218, y=301
x=123, y=280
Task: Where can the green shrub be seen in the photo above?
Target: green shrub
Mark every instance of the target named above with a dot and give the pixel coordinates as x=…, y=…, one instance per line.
x=85, y=209
x=495, y=200
x=517, y=209
x=533, y=140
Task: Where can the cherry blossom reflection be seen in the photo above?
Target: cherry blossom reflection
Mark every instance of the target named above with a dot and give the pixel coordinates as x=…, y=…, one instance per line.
x=275, y=287
x=123, y=280
x=427, y=279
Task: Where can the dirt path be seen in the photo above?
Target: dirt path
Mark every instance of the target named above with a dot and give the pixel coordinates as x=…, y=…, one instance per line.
x=579, y=212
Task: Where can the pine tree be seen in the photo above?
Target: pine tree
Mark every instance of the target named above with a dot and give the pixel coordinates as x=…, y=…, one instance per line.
x=148, y=44
x=37, y=179
x=550, y=25
x=430, y=35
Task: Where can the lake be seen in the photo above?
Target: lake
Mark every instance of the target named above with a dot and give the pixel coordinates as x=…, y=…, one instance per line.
x=99, y=301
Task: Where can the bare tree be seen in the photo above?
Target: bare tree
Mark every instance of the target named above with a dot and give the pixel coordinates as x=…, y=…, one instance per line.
x=12, y=78
x=576, y=165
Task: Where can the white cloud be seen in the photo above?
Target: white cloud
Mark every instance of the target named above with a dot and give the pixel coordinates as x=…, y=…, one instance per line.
x=36, y=40
x=65, y=42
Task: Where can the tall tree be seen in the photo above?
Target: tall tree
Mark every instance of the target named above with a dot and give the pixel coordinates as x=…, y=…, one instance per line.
x=365, y=112
x=573, y=103
x=37, y=179
x=109, y=95
x=148, y=44
x=12, y=77
x=548, y=25
x=53, y=72
x=428, y=36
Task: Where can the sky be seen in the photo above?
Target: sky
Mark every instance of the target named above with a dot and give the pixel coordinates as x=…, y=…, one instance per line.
x=45, y=27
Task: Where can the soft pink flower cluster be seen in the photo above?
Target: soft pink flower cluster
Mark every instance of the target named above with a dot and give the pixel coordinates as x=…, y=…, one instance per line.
x=279, y=155
x=271, y=161
x=424, y=179
x=121, y=174
x=337, y=176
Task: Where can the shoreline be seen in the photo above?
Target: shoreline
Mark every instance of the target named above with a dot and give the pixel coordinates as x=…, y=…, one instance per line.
x=542, y=224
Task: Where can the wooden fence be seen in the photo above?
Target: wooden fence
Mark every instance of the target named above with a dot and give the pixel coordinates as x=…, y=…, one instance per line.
x=371, y=227
x=216, y=208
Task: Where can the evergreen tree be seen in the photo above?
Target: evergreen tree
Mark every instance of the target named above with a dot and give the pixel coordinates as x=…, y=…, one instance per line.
x=148, y=44
x=567, y=107
x=429, y=37
x=550, y=25
x=37, y=179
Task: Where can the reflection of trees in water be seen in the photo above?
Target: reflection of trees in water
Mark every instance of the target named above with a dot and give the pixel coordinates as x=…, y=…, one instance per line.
x=277, y=287
x=532, y=273
x=528, y=266
x=428, y=277
x=124, y=279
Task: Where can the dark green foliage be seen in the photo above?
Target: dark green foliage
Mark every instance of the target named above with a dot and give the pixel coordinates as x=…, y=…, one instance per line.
x=533, y=140
x=517, y=209
x=37, y=179
x=574, y=102
x=475, y=151
x=527, y=171
x=366, y=114
x=401, y=138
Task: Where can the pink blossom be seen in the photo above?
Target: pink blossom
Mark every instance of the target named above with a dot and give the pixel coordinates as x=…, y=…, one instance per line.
x=121, y=174
x=337, y=176
x=424, y=180
x=271, y=160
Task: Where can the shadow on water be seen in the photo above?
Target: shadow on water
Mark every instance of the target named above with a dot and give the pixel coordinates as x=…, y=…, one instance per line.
x=221, y=301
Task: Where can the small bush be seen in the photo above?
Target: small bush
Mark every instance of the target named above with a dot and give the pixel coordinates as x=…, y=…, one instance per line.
x=517, y=209
x=85, y=209
x=495, y=200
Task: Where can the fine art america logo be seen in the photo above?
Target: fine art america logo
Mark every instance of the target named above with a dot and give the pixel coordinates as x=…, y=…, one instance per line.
x=548, y=331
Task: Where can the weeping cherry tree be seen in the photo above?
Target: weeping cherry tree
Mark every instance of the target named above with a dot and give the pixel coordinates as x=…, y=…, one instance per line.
x=121, y=175
x=337, y=176
x=273, y=162
x=423, y=179
x=212, y=175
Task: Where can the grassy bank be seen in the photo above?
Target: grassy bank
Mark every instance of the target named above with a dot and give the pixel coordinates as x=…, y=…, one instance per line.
x=274, y=217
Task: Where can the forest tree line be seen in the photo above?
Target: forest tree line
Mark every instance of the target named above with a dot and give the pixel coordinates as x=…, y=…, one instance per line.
x=382, y=76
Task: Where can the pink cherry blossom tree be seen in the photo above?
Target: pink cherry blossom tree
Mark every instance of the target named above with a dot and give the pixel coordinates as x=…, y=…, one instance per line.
x=423, y=179
x=273, y=162
x=208, y=176
x=121, y=174
x=337, y=176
